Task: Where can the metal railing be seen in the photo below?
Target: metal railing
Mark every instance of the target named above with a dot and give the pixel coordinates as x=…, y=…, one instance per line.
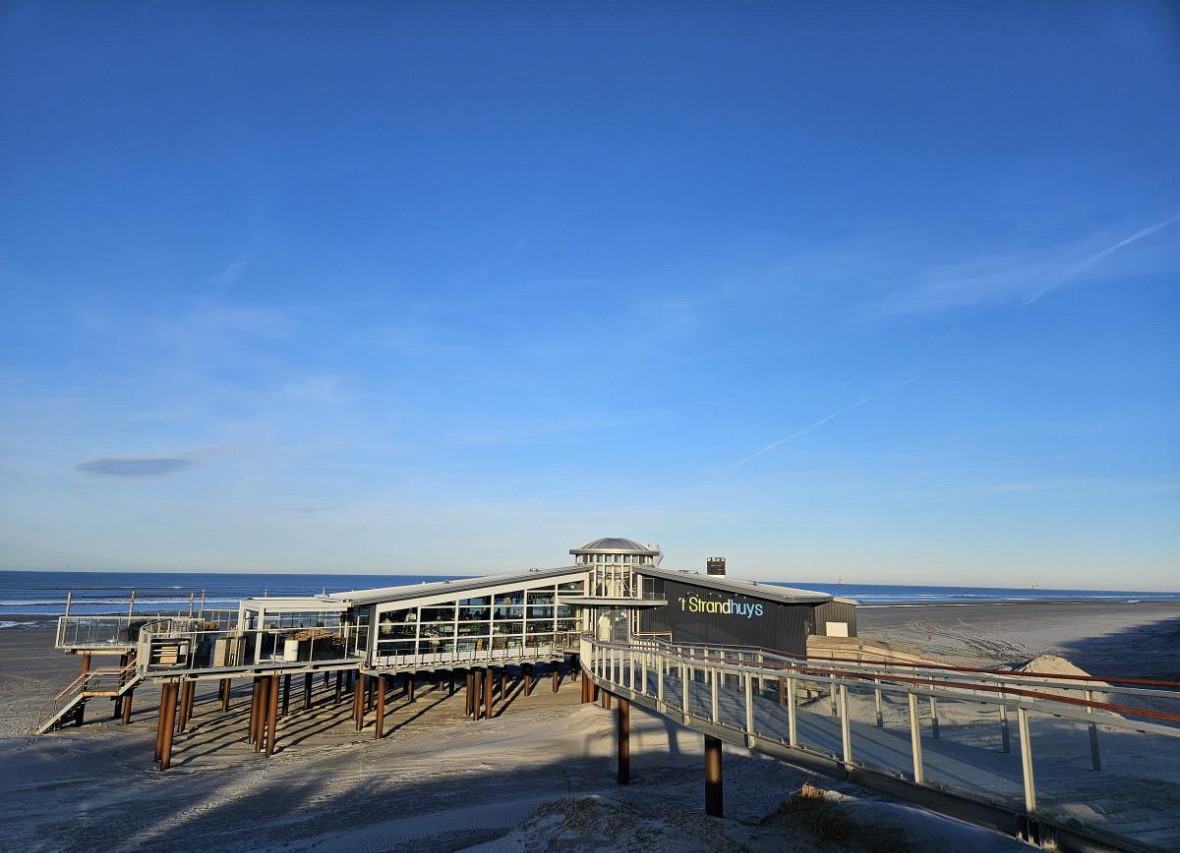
x=171, y=648
x=122, y=632
x=934, y=728
x=107, y=680
x=470, y=652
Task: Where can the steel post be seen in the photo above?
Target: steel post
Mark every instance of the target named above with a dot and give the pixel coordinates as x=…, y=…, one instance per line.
x=1005, y=736
x=792, y=719
x=1026, y=761
x=749, y=679
x=916, y=740
x=1095, y=755
x=845, y=727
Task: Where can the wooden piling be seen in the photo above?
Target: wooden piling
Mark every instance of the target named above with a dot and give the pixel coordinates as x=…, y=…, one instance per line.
x=528, y=679
x=556, y=677
x=714, y=805
x=379, y=725
x=623, y=737
x=286, y=694
x=410, y=679
x=339, y=686
x=226, y=689
x=272, y=716
x=487, y=694
x=160, y=723
x=307, y=691
x=126, y=709
x=169, y=726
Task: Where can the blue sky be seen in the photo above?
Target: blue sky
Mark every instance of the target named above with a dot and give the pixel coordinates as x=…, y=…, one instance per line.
x=885, y=292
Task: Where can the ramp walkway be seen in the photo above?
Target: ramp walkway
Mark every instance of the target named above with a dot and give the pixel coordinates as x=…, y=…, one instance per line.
x=1068, y=763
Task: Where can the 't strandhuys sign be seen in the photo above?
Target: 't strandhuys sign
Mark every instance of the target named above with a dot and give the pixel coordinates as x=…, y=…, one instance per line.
x=697, y=614
x=728, y=606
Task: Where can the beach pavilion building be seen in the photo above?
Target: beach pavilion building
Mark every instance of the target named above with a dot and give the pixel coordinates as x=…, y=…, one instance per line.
x=616, y=590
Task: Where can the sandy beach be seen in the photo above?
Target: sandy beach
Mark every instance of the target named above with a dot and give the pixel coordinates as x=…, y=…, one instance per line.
x=537, y=777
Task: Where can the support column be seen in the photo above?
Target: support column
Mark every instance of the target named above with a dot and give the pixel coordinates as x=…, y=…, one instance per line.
x=358, y=701
x=410, y=685
x=127, y=698
x=487, y=695
x=556, y=678
x=623, y=736
x=379, y=725
x=528, y=679
x=714, y=805
x=169, y=726
x=307, y=691
x=339, y=686
x=503, y=683
x=160, y=723
x=186, y=693
x=226, y=688
x=252, y=728
x=469, y=695
x=286, y=694
x=272, y=717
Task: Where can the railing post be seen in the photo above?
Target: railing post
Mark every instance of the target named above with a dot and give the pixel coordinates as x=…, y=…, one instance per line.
x=792, y=721
x=845, y=727
x=1095, y=756
x=934, y=717
x=714, y=705
x=630, y=669
x=660, y=679
x=877, y=703
x=686, y=673
x=1005, y=737
x=749, y=679
x=916, y=739
x=1026, y=761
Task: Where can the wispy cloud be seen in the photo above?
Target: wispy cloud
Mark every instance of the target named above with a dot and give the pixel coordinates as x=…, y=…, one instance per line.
x=135, y=467
x=1014, y=277
x=231, y=274
x=797, y=435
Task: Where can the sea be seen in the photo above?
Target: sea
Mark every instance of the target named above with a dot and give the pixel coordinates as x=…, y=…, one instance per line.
x=30, y=599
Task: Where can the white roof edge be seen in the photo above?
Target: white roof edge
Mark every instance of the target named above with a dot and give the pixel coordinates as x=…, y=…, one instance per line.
x=394, y=593
x=745, y=587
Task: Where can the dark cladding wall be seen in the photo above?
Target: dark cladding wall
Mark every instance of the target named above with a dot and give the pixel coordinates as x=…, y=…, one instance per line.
x=697, y=614
x=835, y=611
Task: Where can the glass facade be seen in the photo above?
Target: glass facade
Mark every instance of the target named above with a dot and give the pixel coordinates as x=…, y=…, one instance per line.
x=520, y=618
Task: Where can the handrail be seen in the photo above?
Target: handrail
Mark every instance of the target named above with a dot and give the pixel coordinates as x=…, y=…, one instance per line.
x=659, y=676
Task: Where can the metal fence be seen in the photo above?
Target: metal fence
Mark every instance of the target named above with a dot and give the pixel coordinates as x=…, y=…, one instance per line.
x=1074, y=750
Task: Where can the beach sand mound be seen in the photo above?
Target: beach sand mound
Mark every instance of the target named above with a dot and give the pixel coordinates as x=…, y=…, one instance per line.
x=1051, y=665
x=596, y=823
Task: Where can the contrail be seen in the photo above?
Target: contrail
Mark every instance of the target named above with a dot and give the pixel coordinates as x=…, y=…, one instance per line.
x=801, y=432
x=1102, y=255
